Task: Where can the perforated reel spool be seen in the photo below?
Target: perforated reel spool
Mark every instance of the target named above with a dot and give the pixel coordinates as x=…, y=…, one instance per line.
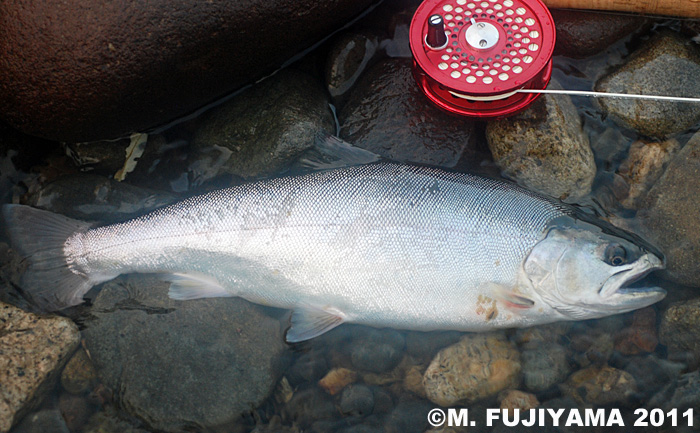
x=491, y=49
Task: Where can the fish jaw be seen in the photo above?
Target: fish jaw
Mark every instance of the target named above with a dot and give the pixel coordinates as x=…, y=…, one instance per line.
x=622, y=297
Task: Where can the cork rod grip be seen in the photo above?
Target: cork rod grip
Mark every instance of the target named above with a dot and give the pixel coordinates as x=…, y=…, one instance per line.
x=676, y=8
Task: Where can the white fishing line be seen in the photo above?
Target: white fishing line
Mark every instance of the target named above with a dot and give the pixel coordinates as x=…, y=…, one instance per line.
x=610, y=95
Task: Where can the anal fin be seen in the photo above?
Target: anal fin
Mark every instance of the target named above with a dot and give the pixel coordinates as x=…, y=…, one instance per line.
x=310, y=322
x=186, y=286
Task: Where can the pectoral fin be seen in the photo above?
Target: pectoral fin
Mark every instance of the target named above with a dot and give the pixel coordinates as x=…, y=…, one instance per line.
x=310, y=322
x=186, y=286
x=511, y=299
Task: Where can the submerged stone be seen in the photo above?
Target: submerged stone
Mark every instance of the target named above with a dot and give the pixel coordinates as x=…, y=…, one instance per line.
x=670, y=215
x=261, y=131
x=387, y=114
x=477, y=367
x=182, y=365
x=668, y=66
x=544, y=147
x=33, y=350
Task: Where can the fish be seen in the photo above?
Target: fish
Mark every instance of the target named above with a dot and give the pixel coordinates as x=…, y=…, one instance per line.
x=384, y=244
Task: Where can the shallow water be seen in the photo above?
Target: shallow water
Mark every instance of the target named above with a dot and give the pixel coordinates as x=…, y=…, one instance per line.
x=388, y=364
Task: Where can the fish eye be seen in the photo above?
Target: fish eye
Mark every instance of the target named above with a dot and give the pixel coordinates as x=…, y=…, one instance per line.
x=615, y=255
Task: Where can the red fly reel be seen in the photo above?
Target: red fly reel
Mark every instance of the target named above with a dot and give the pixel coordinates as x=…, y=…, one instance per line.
x=471, y=57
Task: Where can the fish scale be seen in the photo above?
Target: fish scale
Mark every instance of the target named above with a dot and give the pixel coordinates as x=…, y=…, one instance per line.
x=393, y=237
x=382, y=244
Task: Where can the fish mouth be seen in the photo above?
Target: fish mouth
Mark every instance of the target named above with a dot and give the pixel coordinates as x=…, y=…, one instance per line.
x=622, y=291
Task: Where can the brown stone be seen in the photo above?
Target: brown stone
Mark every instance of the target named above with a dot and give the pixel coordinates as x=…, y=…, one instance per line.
x=581, y=33
x=89, y=70
x=33, y=349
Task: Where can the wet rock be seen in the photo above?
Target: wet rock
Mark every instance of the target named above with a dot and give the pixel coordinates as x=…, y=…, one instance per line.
x=109, y=421
x=681, y=394
x=309, y=367
x=75, y=411
x=413, y=380
x=337, y=379
x=478, y=367
x=283, y=392
x=544, y=147
x=582, y=34
x=356, y=400
x=514, y=399
x=600, y=386
x=79, y=374
x=543, y=366
x=158, y=354
x=34, y=349
x=378, y=351
x=533, y=337
x=348, y=58
x=651, y=373
x=409, y=416
x=387, y=114
x=361, y=428
x=274, y=426
x=383, y=403
x=591, y=346
x=424, y=345
x=666, y=65
x=671, y=215
x=261, y=131
x=43, y=421
x=62, y=79
x=640, y=335
x=92, y=197
x=307, y=406
x=643, y=166
x=102, y=157
x=680, y=329
x=12, y=266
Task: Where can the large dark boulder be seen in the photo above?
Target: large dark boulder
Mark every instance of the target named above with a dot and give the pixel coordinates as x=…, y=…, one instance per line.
x=88, y=70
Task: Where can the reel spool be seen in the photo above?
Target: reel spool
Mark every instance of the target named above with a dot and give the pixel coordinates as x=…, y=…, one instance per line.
x=472, y=57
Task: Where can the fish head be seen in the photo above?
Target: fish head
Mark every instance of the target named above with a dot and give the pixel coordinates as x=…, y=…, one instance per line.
x=585, y=270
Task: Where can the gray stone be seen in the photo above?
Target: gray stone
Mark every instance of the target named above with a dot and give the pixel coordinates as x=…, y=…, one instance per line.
x=109, y=421
x=681, y=394
x=356, y=400
x=182, y=365
x=409, y=416
x=544, y=147
x=651, y=373
x=33, y=349
x=544, y=366
x=261, y=131
x=96, y=198
x=377, y=350
x=43, y=421
x=680, y=330
x=387, y=114
x=670, y=215
x=309, y=405
x=79, y=374
x=83, y=70
x=644, y=165
x=75, y=409
x=666, y=65
x=600, y=386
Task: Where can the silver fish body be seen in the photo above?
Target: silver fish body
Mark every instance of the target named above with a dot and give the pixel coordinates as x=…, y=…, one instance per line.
x=383, y=245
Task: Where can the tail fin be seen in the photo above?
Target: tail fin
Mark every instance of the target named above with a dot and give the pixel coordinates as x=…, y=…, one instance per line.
x=40, y=237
